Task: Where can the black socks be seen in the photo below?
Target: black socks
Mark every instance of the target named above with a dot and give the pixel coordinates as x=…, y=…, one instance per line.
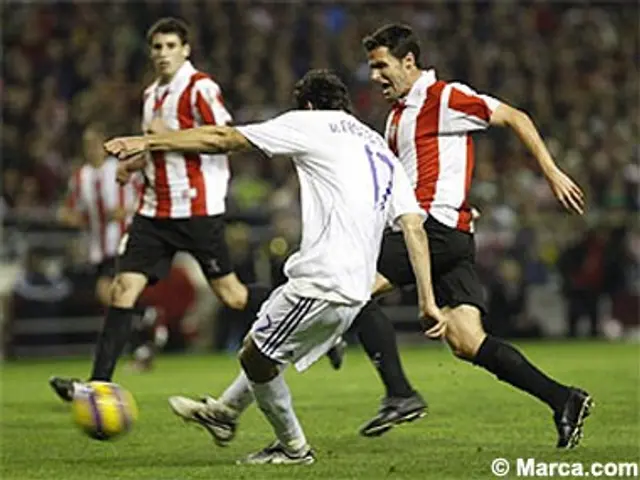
x=510, y=366
x=115, y=334
x=378, y=339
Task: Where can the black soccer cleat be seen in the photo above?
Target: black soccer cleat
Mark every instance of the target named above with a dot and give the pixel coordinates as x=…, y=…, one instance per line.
x=336, y=354
x=64, y=387
x=394, y=411
x=570, y=419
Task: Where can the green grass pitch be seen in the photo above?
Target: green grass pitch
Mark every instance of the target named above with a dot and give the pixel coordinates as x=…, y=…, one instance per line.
x=473, y=419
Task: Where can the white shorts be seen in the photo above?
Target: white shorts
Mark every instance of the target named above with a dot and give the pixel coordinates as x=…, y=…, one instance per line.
x=299, y=330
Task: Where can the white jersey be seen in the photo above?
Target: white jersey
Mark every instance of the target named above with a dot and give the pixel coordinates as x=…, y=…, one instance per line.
x=183, y=185
x=95, y=193
x=351, y=185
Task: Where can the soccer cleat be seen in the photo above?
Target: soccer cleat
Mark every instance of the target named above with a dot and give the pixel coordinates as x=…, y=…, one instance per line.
x=570, y=420
x=64, y=387
x=276, y=454
x=394, y=411
x=209, y=413
x=336, y=354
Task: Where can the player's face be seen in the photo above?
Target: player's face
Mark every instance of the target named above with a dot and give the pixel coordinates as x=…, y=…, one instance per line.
x=168, y=53
x=92, y=145
x=390, y=73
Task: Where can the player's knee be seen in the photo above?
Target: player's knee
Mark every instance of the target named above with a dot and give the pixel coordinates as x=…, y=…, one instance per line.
x=234, y=299
x=381, y=286
x=232, y=294
x=123, y=292
x=257, y=367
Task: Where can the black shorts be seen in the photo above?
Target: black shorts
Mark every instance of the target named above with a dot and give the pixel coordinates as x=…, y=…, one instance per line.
x=106, y=268
x=152, y=243
x=455, y=280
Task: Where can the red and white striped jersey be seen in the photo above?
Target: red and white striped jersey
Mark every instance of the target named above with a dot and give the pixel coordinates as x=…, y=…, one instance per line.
x=429, y=130
x=182, y=185
x=95, y=193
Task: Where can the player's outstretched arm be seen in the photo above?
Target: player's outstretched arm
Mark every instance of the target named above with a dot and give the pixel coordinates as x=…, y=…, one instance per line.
x=415, y=238
x=205, y=139
x=564, y=188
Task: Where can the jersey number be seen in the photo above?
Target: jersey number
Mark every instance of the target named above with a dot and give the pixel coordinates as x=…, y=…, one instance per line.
x=377, y=158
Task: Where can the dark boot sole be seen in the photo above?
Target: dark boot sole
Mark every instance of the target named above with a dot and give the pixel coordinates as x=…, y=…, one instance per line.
x=408, y=417
x=577, y=434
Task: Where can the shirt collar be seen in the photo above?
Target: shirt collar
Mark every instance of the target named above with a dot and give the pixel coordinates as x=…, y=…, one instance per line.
x=185, y=71
x=416, y=94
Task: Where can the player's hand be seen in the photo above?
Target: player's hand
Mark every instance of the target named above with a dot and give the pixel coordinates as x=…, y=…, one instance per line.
x=566, y=191
x=156, y=125
x=125, y=147
x=123, y=174
x=117, y=214
x=433, y=321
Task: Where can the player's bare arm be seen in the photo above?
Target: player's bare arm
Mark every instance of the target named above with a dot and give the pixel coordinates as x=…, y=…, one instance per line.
x=70, y=217
x=206, y=139
x=564, y=188
x=415, y=238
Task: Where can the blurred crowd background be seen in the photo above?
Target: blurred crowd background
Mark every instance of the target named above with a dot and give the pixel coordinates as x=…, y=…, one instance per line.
x=573, y=66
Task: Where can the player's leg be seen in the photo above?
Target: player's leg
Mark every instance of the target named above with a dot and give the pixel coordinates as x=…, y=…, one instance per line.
x=401, y=402
x=103, y=289
x=142, y=250
x=211, y=251
x=280, y=335
x=273, y=397
x=468, y=341
x=204, y=238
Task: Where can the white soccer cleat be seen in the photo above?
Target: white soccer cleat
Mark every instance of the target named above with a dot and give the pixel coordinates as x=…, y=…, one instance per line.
x=209, y=413
x=276, y=454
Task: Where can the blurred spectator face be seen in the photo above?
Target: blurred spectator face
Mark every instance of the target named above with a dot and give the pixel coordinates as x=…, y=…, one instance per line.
x=392, y=74
x=92, y=141
x=10, y=183
x=168, y=53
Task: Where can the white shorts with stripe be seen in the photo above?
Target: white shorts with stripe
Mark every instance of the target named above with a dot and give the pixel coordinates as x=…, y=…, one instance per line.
x=299, y=330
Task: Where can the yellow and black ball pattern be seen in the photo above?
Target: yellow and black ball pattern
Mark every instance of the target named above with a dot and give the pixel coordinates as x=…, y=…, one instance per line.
x=104, y=410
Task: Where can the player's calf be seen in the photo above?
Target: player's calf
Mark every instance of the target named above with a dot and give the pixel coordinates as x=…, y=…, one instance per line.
x=464, y=333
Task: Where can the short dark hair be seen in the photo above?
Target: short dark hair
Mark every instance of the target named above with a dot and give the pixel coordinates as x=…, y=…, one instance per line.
x=169, y=25
x=324, y=90
x=399, y=39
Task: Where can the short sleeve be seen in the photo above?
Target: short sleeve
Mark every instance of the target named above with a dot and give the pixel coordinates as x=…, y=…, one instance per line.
x=403, y=200
x=466, y=110
x=283, y=135
x=209, y=103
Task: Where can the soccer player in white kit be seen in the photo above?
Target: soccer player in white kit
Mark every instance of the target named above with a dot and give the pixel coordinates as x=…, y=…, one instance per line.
x=352, y=187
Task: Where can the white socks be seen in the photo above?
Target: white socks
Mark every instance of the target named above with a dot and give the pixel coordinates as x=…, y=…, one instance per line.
x=274, y=399
x=238, y=396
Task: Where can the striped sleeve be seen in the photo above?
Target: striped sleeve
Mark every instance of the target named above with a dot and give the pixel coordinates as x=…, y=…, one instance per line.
x=73, y=199
x=209, y=104
x=465, y=110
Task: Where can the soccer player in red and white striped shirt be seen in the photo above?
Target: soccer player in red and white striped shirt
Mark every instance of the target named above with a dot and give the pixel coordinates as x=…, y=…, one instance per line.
x=95, y=201
x=182, y=202
x=429, y=129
